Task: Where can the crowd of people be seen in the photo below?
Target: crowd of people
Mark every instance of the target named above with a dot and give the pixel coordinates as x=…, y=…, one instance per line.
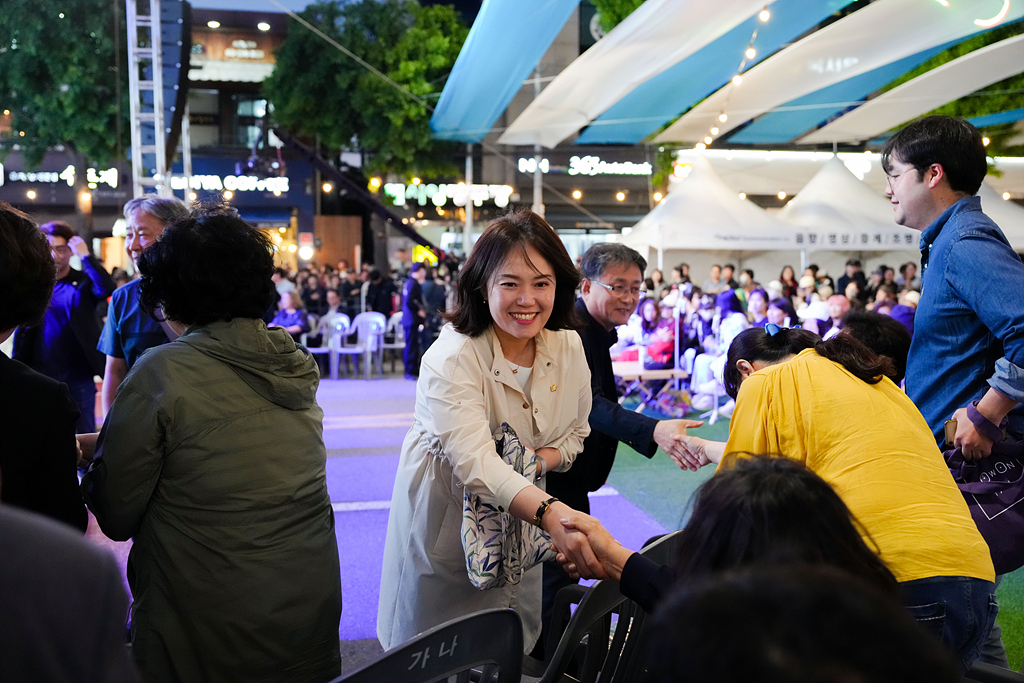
x=211, y=456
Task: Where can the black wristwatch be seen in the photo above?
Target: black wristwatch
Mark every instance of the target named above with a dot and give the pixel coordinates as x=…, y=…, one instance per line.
x=542, y=509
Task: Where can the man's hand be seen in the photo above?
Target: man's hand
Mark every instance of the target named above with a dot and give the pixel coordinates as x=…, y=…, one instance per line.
x=973, y=444
x=86, y=448
x=78, y=246
x=668, y=434
x=608, y=551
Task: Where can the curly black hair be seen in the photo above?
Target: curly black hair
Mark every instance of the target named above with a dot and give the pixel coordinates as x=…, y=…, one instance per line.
x=209, y=265
x=27, y=270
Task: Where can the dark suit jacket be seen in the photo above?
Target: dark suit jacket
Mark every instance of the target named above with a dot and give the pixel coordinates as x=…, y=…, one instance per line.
x=38, y=458
x=63, y=605
x=412, y=302
x=610, y=423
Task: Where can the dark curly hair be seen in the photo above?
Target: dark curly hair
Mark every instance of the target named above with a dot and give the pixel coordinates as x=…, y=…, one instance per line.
x=27, y=270
x=209, y=265
x=515, y=230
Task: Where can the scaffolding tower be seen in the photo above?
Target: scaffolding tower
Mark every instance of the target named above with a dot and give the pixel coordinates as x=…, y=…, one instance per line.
x=151, y=167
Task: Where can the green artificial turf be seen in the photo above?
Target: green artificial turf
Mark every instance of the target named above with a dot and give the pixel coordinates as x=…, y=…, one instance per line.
x=663, y=491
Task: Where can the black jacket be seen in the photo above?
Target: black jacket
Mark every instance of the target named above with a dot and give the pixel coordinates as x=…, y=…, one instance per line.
x=610, y=423
x=38, y=460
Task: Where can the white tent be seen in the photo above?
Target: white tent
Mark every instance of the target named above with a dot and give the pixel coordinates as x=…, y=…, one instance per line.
x=702, y=213
x=1009, y=216
x=838, y=212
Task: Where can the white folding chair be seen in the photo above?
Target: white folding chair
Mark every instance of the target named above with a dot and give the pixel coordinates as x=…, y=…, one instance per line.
x=396, y=332
x=369, y=328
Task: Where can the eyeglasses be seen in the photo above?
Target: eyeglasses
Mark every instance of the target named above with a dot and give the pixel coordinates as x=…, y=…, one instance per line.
x=620, y=290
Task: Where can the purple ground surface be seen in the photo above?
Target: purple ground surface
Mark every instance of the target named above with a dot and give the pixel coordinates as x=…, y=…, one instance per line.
x=364, y=424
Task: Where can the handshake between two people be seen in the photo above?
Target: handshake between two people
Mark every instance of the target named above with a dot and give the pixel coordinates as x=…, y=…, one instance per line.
x=595, y=554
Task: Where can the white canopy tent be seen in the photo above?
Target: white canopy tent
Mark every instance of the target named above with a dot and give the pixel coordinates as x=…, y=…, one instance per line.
x=879, y=34
x=945, y=83
x=1009, y=216
x=703, y=214
x=837, y=211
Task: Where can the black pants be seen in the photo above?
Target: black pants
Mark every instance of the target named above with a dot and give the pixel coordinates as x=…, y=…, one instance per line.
x=411, y=355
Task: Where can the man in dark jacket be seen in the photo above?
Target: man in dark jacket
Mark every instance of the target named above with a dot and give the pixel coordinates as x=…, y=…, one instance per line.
x=63, y=345
x=37, y=414
x=612, y=275
x=414, y=314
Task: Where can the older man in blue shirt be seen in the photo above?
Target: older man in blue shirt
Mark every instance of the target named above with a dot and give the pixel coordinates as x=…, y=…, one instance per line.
x=967, y=356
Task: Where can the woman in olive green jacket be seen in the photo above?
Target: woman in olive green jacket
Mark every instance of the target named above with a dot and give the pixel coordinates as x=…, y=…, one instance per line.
x=212, y=459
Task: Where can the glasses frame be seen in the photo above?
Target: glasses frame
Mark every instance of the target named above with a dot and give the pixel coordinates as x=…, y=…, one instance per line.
x=634, y=293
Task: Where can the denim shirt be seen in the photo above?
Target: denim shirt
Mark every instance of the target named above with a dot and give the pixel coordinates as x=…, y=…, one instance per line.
x=969, y=329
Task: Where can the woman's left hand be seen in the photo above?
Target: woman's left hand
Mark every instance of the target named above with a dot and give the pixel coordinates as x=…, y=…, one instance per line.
x=551, y=456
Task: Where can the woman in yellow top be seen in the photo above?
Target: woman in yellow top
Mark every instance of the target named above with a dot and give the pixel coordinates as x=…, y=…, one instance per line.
x=830, y=405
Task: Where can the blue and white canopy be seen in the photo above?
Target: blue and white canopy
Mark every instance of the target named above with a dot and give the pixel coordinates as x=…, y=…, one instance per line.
x=673, y=57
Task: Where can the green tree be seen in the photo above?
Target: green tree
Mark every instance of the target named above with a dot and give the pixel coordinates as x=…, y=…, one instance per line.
x=318, y=91
x=58, y=79
x=612, y=12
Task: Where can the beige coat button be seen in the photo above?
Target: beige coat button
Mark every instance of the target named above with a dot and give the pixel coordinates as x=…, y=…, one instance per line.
x=526, y=405
x=554, y=387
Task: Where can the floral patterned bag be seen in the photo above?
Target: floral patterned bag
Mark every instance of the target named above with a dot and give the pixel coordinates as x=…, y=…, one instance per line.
x=499, y=546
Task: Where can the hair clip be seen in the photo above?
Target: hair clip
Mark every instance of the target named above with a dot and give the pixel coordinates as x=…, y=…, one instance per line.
x=772, y=329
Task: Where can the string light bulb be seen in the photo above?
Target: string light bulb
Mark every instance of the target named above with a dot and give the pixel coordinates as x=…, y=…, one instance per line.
x=985, y=141
x=1006, y=196
x=765, y=15
x=723, y=117
x=737, y=79
x=707, y=140
x=750, y=53
x=714, y=130
x=781, y=195
x=700, y=146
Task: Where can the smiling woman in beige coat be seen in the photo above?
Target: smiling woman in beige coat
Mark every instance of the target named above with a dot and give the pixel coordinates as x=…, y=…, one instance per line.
x=510, y=355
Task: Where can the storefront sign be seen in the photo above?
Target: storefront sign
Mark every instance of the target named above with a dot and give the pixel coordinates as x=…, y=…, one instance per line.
x=440, y=195
x=588, y=165
x=234, y=183
x=92, y=175
x=591, y=165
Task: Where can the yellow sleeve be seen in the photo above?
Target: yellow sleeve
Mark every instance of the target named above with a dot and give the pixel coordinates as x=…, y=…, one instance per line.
x=752, y=428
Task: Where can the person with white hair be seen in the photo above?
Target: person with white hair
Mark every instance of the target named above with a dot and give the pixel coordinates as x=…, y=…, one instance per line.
x=129, y=330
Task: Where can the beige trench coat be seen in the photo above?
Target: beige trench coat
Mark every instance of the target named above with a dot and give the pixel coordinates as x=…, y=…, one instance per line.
x=466, y=390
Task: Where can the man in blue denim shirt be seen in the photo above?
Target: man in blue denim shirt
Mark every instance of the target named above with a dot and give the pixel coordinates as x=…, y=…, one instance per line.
x=967, y=355
x=969, y=332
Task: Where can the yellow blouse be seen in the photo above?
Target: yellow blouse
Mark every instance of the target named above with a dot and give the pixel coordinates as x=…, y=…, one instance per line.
x=870, y=442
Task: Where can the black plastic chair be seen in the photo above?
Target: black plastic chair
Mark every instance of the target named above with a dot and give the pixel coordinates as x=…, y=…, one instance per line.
x=588, y=639
x=486, y=639
x=987, y=673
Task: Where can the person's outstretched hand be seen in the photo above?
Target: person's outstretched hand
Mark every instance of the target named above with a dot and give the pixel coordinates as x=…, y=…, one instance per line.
x=573, y=544
x=668, y=433
x=608, y=551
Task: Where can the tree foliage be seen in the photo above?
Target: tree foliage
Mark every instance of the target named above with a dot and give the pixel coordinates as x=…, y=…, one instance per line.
x=612, y=12
x=318, y=91
x=57, y=77
x=1002, y=96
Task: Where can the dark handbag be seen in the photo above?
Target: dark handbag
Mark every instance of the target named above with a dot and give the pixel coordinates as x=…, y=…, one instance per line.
x=994, y=490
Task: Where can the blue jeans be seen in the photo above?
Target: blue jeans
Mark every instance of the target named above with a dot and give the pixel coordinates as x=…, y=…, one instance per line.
x=84, y=394
x=957, y=610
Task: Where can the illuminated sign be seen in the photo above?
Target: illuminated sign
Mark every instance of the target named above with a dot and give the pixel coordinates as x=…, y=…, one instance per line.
x=530, y=165
x=234, y=183
x=440, y=194
x=92, y=175
x=591, y=165
x=244, y=49
x=588, y=165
